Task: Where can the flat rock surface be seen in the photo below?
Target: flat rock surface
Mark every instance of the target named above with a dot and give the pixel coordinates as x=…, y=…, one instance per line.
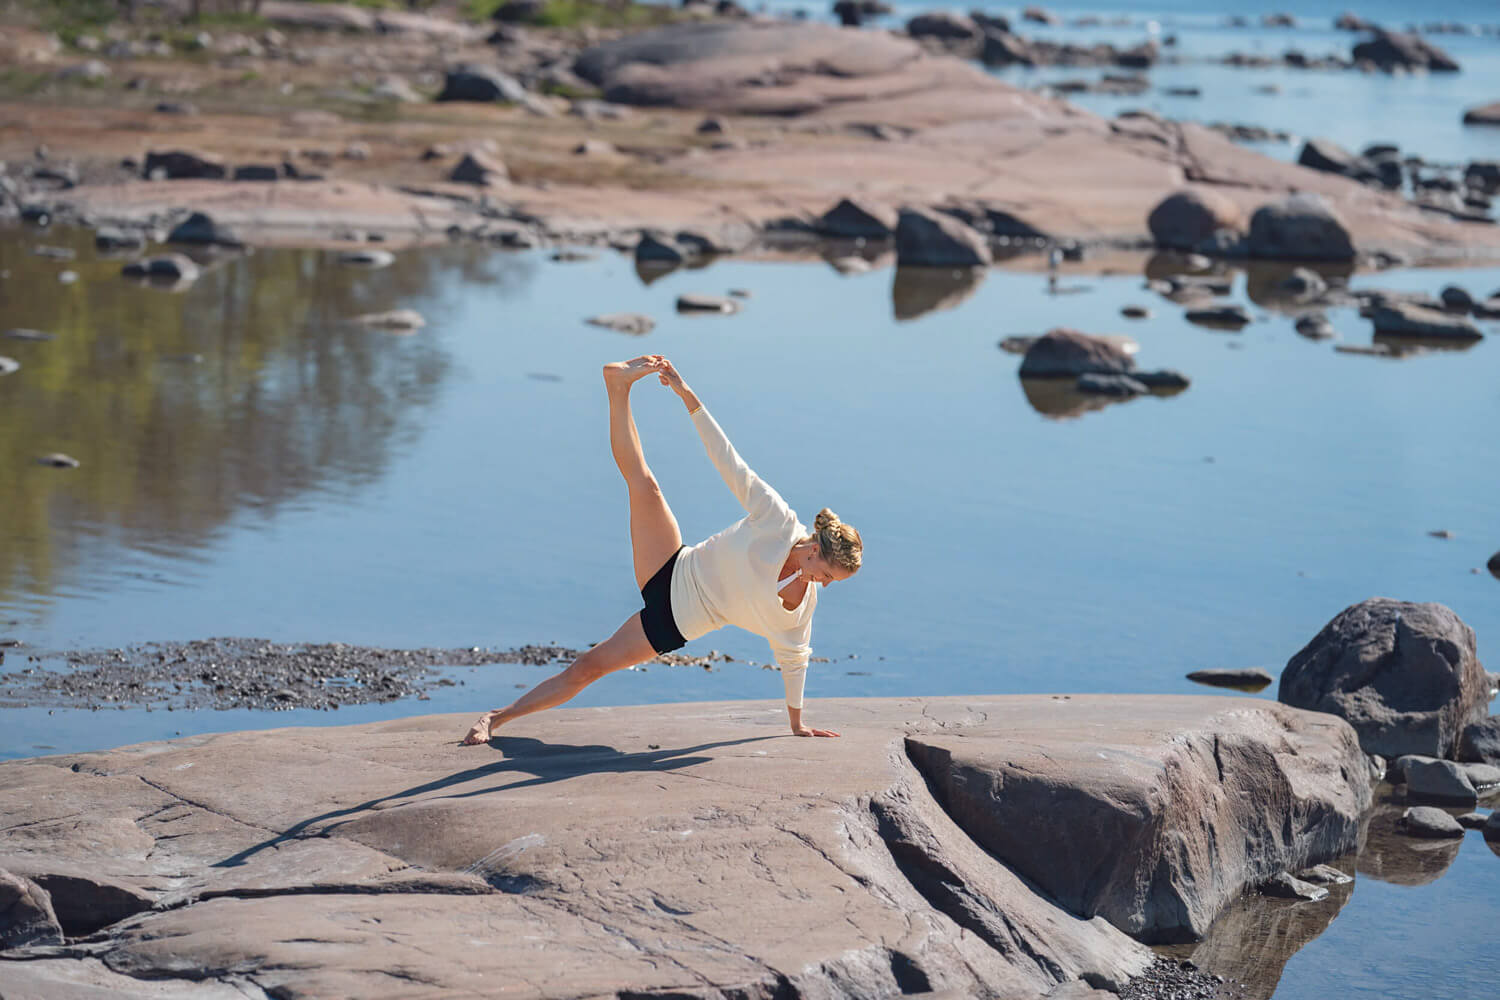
x=688, y=847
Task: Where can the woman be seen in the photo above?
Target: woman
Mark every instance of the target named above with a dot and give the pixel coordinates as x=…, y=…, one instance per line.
x=758, y=573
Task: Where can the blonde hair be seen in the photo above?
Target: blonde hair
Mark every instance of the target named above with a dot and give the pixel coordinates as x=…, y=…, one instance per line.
x=839, y=543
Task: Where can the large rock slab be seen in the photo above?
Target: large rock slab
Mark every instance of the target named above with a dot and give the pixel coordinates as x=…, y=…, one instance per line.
x=577, y=855
x=1405, y=675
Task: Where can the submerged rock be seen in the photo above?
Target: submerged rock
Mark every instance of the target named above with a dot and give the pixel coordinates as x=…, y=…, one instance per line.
x=1405, y=675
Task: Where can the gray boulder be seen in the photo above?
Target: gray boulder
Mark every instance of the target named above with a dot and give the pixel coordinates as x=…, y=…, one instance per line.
x=1405, y=675
x=1438, y=781
x=1064, y=352
x=1188, y=219
x=852, y=219
x=1431, y=823
x=1480, y=741
x=1484, y=777
x=26, y=914
x=1408, y=320
x=200, y=227
x=1456, y=299
x=928, y=239
x=1472, y=820
x=482, y=84
x=1301, y=227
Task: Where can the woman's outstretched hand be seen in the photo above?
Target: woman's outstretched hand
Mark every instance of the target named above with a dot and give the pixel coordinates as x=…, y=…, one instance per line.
x=810, y=731
x=672, y=379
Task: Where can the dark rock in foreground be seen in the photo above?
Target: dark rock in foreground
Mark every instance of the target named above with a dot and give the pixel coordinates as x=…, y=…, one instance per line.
x=723, y=852
x=1405, y=675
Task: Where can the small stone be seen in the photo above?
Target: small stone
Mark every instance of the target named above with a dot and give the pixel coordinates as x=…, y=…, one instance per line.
x=1135, y=312
x=1227, y=317
x=1285, y=886
x=108, y=238
x=1324, y=875
x=57, y=460
x=67, y=277
x=1315, y=326
x=1430, y=822
x=692, y=302
x=1097, y=384
x=174, y=267
x=28, y=336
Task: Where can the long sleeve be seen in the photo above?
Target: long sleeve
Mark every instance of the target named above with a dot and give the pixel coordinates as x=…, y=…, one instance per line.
x=792, y=659
x=753, y=493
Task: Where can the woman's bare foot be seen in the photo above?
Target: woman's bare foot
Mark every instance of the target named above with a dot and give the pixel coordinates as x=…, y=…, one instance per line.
x=479, y=732
x=623, y=374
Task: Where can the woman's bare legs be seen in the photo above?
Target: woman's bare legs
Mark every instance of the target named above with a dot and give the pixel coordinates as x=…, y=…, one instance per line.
x=627, y=647
x=654, y=536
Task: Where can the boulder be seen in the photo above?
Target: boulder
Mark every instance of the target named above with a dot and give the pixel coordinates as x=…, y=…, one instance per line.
x=26, y=914
x=1329, y=157
x=481, y=169
x=1485, y=114
x=852, y=219
x=1438, y=781
x=1228, y=317
x=482, y=84
x=1430, y=822
x=1480, y=741
x=1405, y=675
x=1456, y=299
x=1287, y=886
x=1301, y=227
x=1407, y=320
x=1484, y=777
x=943, y=25
x=1064, y=352
x=1391, y=50
x=1188, y=219
x=1094, y=384
x=1239, y=677
x=179, y=164
x=1315, y=326
x=1472, y=820
x=929, y=239
x=200, y=227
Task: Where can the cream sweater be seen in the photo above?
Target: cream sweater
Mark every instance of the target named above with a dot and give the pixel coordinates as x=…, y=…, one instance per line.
x=731, y=578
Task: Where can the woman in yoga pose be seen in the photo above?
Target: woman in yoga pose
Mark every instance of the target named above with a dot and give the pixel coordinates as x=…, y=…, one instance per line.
x=758, y=573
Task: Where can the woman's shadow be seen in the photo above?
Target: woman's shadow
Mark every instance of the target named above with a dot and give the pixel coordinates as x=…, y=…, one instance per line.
x=543, y=763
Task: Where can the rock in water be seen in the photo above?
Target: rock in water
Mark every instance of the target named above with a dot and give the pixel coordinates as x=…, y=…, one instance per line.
x=367, y=258
x=1302, y=227
x=1407, y=320
x=1494, y=565
x=632, y=323
x=696, y=303
x=1439, y=781
x=179, y=164
x=1285, y=886
x=1063, y=352
x=1224, y=317
x=852, y=219
x=1324, y=875
x=928, y=239
x=1492, y=826
x=1110, y=385
x=201, y=228
x=1431, y=823
x=1480, y=741
x=1405, y=675
x=1485, y=114
x=57, y=460
x=174, y=267
x=1243, y=677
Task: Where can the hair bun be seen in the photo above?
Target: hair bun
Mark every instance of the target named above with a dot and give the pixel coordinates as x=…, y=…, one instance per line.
x=824, y=519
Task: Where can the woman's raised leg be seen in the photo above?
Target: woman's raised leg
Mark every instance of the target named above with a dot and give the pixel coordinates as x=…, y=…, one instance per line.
x=627, y=647
x=654, y=534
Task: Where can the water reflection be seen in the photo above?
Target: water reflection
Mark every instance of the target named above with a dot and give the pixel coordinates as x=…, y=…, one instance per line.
x=244, y=391
x=917, y=291
x=1396, y=857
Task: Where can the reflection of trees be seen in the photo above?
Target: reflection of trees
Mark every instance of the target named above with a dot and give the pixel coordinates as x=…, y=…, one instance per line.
x=285, y=398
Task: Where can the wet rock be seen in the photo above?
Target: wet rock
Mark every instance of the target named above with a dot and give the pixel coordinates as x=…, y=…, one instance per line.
x=1315, y=326
x=1301, y=227
x=481, y=83
x=57, y=460
x=696, y=303
x=851, y=219
x=1162, y=380
x=1064, y=352
x=1438, y=781
x=927, y=239
x=1303, y=284
x=632, y=323
x=1472, y=820
x=1429, y=822
x=1390, y=50
x=174, y=267
x=1189, y=219
x=480, y=168
x=1348, y=21
x=1110, y=385
x=200, y=227
x=1485, y=114
x=1407, y=320
x=395, y=321
x=1457, y=299
x=1484, y=777
x=1286, y=886
x=1230, y=317
x=1405, y=675
x=1254, y=678
x=26, y=914
x=657, y=249
x=1329, y=157
x=9, y=366
x=367, y=258
x=1480, y=741
x=179, y=164
x=109, y=239
x=1135, y=312
x=1324, y=875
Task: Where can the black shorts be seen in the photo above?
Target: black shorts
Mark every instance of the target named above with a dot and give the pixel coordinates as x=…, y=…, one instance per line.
x=656, y=616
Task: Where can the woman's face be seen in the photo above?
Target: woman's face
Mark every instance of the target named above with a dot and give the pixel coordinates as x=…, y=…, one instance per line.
x=820, y=570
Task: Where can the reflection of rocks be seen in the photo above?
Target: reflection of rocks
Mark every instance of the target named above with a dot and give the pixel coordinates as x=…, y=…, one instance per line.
x=1255, y=936
x=1295, y=287
x=917, y=291
x=1405, y=675
x=1391, y=855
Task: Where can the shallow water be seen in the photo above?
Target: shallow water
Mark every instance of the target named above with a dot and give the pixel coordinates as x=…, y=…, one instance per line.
x=305, y=479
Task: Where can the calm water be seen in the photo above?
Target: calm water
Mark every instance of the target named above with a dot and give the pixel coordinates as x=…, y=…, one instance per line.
x=253, y=465
x=1423, y=114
